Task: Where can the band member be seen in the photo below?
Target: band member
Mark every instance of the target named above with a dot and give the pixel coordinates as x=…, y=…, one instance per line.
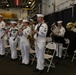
x=59, y=39
x=13, y=43
x=71, y=35
x=40, y=33
x=24, y=42
x=2, y=26
x=74, y=30
x=19, y=24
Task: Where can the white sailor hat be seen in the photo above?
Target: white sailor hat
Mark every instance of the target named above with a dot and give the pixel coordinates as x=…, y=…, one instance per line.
x=1, y=16
x=59, y=22
x=20, y=19
x=40, y=15
x=25, y=20
x=13, y=22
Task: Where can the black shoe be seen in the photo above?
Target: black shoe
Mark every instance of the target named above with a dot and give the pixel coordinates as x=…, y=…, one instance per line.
x=36, y=70
x=14, y=59
x=22, y=64
x=25, y=64
x=40, y=72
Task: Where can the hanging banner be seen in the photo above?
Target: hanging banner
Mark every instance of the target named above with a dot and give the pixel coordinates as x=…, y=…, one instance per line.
x=17, y=2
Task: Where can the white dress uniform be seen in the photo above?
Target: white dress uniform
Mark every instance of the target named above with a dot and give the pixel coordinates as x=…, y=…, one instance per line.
x=24, y=45
x=60, y=45
x=40, y=42
x=2, y=50
x=13, y=43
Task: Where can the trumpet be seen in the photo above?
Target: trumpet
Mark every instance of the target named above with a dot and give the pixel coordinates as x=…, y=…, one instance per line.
x=53, y=25
x=17, y=33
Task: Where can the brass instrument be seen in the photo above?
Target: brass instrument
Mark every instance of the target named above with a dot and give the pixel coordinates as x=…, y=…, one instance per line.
x=31, y=37
x=54, y=29
x=17, y=33
x=31, y=40
x=70, y=26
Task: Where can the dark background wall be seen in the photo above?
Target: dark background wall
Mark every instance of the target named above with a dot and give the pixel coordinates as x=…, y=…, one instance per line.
x=65, y=16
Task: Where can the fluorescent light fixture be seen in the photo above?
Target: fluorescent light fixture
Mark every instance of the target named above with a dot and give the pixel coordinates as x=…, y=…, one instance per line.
x=27, y=6
x=29, y=2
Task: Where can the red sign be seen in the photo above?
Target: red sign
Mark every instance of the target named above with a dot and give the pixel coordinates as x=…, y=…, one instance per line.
x=17, y=2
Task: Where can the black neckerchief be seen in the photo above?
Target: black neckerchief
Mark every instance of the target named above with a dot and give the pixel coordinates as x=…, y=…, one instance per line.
x=38, y=28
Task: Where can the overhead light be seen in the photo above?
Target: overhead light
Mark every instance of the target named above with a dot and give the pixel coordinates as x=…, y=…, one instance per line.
x=29, y=2
x=7, y=5
x=27, y=6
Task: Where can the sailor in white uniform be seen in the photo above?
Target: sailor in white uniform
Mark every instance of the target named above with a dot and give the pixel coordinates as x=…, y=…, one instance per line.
x=40, y=33
x=2, y=31
x=13, y=43
x=20, y=23
x=24, y=42
x=60, y=39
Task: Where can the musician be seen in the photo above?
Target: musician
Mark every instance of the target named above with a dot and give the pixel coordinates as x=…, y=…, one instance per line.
x=24, y=42
x=59, y=39
x=19, y=24
x=2, y=31
x=13, y=43
x=74, y=38
x=40, y=33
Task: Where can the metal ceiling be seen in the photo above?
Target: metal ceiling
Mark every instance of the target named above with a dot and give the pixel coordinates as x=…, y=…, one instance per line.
x=23, y=3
